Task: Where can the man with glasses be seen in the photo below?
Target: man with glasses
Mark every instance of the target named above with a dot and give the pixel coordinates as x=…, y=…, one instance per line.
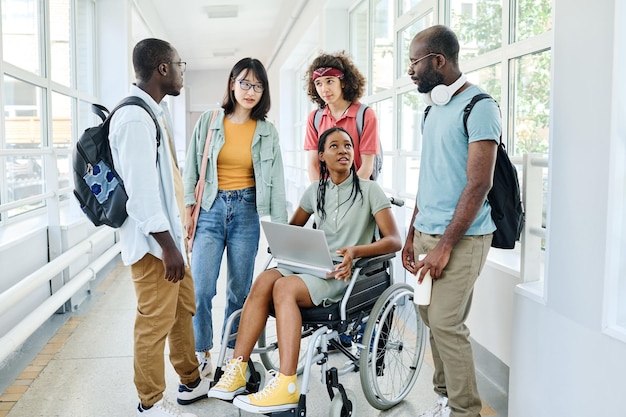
x=451, y=223
x=152, y=237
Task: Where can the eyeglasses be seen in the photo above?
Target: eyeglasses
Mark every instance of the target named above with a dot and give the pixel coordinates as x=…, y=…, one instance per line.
x=181, y=64
x=413, y=62
x=245, y=85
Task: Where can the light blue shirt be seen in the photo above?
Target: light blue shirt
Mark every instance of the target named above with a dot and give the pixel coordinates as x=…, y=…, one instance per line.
x=443, y=166
x=151, y=204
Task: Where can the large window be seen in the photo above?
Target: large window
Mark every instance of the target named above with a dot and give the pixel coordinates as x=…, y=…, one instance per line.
x=21, y=34
x=40, y=91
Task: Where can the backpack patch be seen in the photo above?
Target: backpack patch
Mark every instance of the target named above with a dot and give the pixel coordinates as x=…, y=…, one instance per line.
x=507, y=210
x=97, y=186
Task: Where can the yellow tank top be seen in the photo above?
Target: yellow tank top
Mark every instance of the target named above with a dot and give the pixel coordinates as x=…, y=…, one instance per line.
x=234, y=162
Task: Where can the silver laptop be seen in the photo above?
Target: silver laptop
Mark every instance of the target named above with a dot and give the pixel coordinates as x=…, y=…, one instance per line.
x=300, y=249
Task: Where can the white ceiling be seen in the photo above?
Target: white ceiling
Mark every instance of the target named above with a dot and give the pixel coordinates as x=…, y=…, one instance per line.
x=255, y=32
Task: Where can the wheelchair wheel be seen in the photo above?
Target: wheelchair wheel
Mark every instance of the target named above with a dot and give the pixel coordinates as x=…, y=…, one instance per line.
x=393, y=348
x=336, y=405
x=268, y=338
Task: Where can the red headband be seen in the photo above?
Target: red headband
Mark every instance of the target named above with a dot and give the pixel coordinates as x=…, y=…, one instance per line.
x=327, y=72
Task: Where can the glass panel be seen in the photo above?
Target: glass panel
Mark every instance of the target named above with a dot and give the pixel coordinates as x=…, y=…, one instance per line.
x=85, y=41
x=532, y=17
x=412, y=169
x=359, y=39
x=63, y=166
x=24, y=178
x=382, y=57
x=406, y=5
x=61, y=120
x=22, y=111
x=531, y=102
x=384, y=115
x=86, y=117
x=489, y=79
x=405, y=36
x=478, y=25
x=411, y=112
x=61, y=68
x=22, y=116
x=20, y=34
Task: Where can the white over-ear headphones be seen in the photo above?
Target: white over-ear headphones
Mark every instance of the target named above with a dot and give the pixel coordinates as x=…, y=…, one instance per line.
x=440, y=95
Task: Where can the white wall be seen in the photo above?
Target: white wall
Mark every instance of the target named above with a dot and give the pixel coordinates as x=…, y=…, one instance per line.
x=562, y=364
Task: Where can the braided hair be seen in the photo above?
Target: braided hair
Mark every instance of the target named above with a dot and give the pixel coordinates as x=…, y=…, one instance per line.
x=325, y=175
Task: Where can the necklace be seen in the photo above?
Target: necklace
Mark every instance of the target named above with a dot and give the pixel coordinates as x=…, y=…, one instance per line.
x=342, y=114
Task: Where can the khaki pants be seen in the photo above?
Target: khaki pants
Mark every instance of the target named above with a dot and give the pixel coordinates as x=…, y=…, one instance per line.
x=164, y=310
x=451, y=299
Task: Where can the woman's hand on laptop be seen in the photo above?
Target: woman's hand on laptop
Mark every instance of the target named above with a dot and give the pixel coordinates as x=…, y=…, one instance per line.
x=345, y=267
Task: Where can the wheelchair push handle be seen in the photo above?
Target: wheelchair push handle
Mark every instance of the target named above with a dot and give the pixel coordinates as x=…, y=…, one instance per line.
x=396, y=201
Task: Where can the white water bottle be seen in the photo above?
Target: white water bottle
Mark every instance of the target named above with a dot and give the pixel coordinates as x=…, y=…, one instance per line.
x=422, y=292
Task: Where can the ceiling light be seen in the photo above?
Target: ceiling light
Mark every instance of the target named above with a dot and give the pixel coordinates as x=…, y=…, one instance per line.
x=224, y=52
x=221, y=12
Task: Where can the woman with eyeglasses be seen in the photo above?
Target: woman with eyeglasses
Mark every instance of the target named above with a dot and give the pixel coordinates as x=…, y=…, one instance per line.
x=244, y=180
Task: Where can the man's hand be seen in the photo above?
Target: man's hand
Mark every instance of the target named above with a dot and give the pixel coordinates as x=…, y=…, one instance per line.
x=173, y=261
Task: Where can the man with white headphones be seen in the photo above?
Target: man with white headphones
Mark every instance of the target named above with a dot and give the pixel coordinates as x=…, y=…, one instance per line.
x=451, y=223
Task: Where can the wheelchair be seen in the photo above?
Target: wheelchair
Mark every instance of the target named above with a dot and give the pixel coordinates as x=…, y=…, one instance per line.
x=384, y=325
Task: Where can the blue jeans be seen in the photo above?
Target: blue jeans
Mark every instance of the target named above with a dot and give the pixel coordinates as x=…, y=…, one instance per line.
x=233, y=223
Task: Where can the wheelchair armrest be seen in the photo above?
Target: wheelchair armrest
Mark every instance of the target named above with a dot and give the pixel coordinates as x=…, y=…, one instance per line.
x=364, y=262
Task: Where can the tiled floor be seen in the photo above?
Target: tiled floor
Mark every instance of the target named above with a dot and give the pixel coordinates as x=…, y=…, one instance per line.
x=85, y=369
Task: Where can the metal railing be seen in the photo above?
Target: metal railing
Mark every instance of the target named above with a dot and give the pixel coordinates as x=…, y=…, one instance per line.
x=15, y=337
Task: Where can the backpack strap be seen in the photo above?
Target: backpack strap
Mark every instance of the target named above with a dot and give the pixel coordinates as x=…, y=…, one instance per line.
x=360, y=119
x=426, y=110
x=100, y=111
x=138, y=101
x=317, y=120
x=470, y=106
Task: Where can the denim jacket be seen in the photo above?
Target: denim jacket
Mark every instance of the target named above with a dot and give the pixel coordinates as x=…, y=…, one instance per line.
x=266, y=161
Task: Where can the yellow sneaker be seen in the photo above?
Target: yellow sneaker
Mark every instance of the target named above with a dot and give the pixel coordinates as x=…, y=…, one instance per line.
x=281, y=393
x=232, y=382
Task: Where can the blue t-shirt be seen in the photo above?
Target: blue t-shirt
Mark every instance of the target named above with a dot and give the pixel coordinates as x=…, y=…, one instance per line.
x=443, y=166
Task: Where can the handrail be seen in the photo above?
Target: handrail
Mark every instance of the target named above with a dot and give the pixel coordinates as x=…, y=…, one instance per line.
x=24, y=201
x=15, y=337
x=15, y=294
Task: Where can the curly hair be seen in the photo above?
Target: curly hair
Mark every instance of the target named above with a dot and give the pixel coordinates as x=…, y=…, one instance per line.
x=353, y=81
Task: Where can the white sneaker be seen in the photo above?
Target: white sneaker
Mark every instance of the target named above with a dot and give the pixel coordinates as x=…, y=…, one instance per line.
x=163, y=408
x=190, y=394
x=440, y=409
x=205, y=368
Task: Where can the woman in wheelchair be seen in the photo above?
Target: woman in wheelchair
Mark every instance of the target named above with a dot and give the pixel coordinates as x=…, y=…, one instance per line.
x=348, y=209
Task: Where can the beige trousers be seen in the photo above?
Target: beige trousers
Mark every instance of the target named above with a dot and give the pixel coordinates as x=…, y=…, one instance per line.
x=451, y=299
x=164, y=311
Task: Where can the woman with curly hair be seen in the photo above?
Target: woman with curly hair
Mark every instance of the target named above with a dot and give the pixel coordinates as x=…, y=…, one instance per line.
x=336, y=85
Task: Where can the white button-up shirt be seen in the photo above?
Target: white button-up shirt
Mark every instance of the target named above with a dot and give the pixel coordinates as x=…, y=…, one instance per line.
x=147, y=172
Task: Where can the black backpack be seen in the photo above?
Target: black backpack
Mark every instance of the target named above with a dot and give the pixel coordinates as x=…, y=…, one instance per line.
x=507, y=210
x=360, y=120
x=97, y=186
